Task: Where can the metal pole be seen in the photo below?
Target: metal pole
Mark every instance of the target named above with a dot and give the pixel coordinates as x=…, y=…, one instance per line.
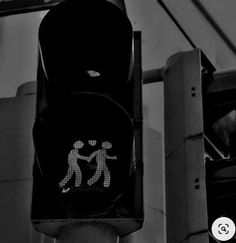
x=88, y=233
x=153, y=76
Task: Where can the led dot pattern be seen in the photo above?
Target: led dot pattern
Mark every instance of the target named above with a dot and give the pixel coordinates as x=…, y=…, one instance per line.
x=99, y=155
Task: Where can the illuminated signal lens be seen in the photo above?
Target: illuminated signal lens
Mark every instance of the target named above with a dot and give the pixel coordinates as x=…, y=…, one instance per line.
x=92, y=151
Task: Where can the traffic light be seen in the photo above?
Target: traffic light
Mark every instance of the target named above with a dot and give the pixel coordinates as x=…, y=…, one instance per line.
x=220, y=108
x=200, y=115
x=88, y=128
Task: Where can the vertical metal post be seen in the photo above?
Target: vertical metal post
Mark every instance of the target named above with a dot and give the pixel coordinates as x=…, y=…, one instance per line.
x=186, y=205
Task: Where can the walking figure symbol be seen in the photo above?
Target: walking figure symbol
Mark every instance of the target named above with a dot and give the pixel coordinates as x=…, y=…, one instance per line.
x=101, y=156
x=73, y=167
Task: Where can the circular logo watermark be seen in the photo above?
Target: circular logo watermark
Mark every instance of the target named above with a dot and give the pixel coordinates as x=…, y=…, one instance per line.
x=223, y=229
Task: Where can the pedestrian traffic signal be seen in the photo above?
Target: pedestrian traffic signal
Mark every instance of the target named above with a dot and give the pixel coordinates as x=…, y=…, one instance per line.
x=88, y=127
x=200, y=108
x=90, y=147
x=220, y=110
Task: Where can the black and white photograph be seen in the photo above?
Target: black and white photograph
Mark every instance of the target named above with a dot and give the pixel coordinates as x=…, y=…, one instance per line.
x=117, y=121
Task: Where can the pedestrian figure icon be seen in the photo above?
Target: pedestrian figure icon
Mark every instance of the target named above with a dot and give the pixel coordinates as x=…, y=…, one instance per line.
x=73, y=166
x=101, y=156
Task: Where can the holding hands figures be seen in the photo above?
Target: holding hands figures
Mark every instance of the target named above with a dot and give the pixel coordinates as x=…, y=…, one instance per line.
x=100, y=155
